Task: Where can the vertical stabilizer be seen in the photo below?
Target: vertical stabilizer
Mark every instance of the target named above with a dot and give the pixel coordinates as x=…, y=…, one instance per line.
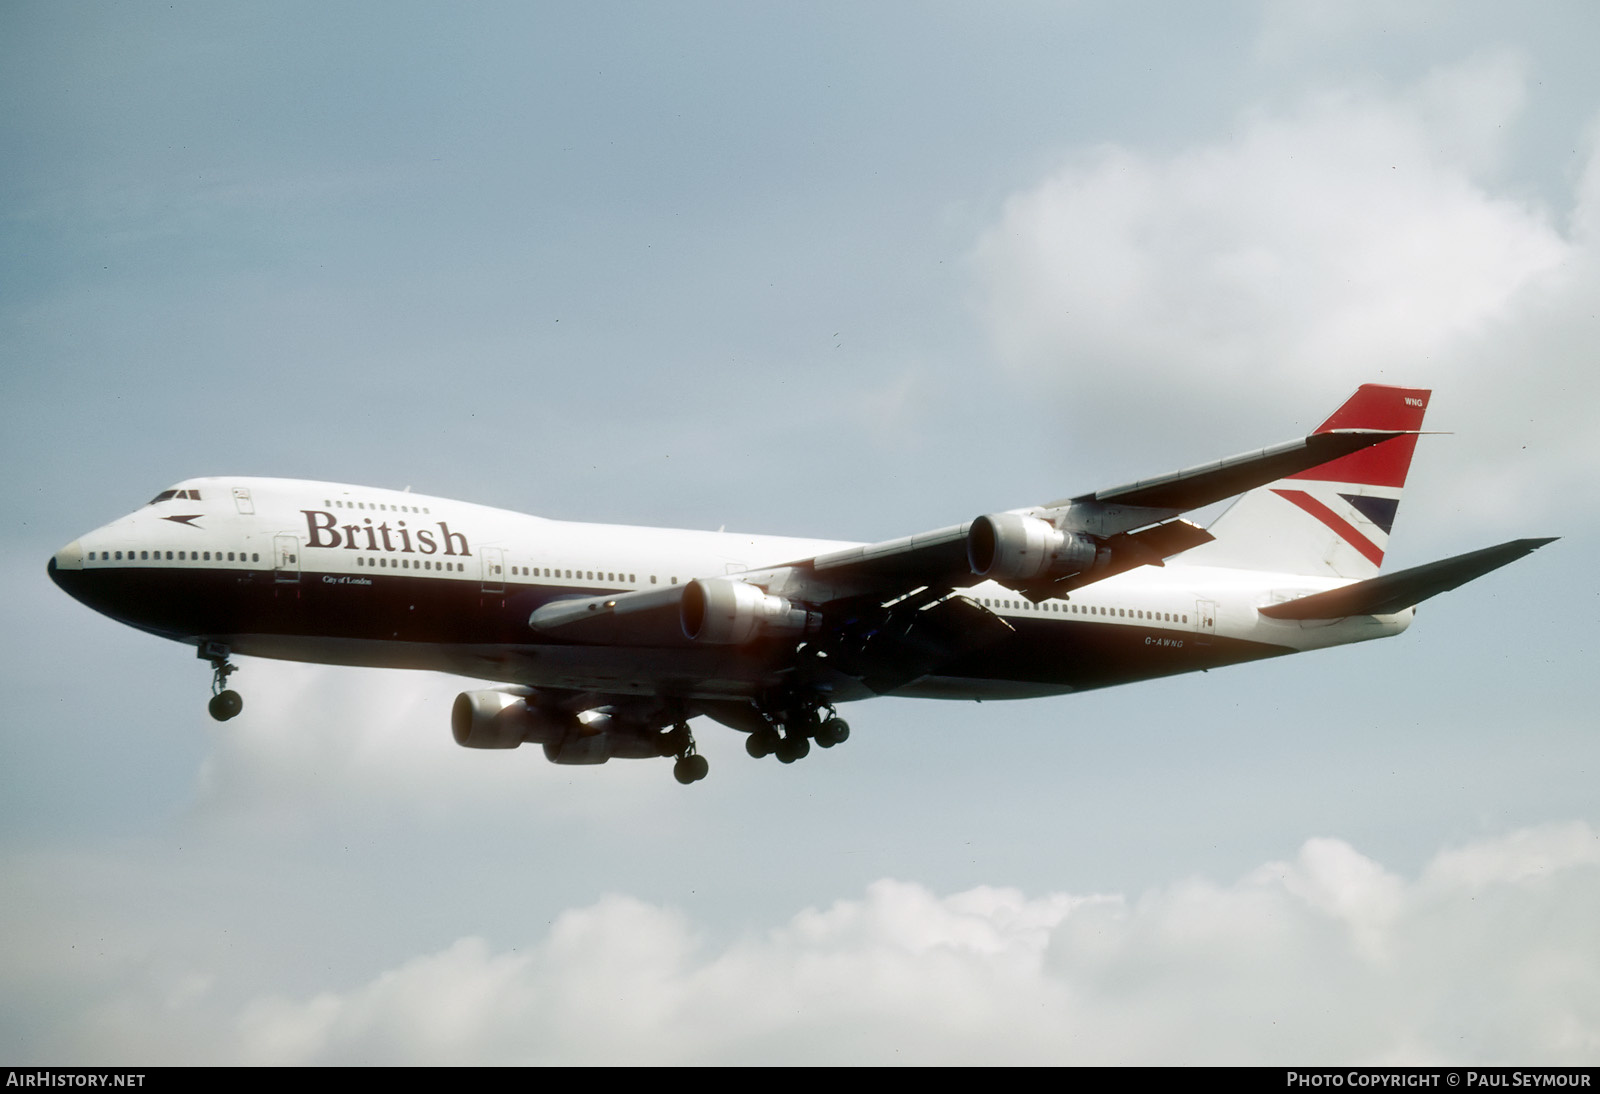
x=1333, y=520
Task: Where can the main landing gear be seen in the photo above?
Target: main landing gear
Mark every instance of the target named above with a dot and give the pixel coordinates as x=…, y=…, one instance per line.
x=690, y=767
x=800, y=724
x=225, y=702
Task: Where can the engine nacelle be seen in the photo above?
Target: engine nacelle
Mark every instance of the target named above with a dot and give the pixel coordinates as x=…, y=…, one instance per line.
x=1013, y=547
x=504, y=719
x=601, y=740
x=725, y=612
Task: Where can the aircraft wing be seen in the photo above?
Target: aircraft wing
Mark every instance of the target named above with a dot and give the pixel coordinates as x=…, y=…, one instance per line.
x=1196, y=487
x=1104, y=532
x=1398, y=591
x=908, y=585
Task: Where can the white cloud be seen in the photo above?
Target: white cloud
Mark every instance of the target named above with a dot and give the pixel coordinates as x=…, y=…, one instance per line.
x=1489, y=956
x=1348, y=236
x=1358, y=237
x=434, y=1008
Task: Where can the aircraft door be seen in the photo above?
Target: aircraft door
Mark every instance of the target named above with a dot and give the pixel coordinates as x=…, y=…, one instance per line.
x=285, y=559
x=494, y=569
x=1206, y=616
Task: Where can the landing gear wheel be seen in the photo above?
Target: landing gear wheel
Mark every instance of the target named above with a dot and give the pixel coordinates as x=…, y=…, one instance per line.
x=762, y=743
x=833, y=731
x=791, y=749
x=225, y=705
x=690, y=769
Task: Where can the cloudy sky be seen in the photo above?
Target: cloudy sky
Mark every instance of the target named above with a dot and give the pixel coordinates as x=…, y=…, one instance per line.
x=819, y=269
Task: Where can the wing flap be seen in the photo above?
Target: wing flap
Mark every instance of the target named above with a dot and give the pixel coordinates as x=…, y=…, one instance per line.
x=1128, y=550
x=906, y=645
x=1407, y=588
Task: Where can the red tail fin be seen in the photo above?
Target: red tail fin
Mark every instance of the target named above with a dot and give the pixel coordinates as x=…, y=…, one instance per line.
x=1375, y=406
x=1333, y=520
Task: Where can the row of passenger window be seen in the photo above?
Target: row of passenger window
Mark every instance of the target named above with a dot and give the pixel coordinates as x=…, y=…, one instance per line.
x=182, y=556
x=581, y=575
x=383, y=562
x=380, y=562
x=340, y=503
x=1089, y=609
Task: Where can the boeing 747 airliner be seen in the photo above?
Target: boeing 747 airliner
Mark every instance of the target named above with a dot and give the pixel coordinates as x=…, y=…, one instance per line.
x=611, y=639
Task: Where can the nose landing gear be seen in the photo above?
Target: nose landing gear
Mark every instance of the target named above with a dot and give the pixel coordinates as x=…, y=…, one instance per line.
x=690, y=766
x=225, y=702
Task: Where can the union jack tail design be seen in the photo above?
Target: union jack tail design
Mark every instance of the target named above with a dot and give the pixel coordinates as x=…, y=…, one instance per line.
x=1333, y=520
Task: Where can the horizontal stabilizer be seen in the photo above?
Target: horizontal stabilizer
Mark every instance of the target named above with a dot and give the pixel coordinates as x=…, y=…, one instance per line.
x=1399, y=591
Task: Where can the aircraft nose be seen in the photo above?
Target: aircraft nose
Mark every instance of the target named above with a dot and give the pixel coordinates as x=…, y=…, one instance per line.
x=67, y=560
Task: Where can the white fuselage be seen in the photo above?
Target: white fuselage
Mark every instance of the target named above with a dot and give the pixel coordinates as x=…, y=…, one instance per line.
x=357, y=575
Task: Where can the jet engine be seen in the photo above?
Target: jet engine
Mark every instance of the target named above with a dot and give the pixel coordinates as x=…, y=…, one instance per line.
x=604, y=739
x=506, y=719
x=723, y=612
x=1013, y=547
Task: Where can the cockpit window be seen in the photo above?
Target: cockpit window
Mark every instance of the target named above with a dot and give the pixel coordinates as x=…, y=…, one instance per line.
x=168, y=495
